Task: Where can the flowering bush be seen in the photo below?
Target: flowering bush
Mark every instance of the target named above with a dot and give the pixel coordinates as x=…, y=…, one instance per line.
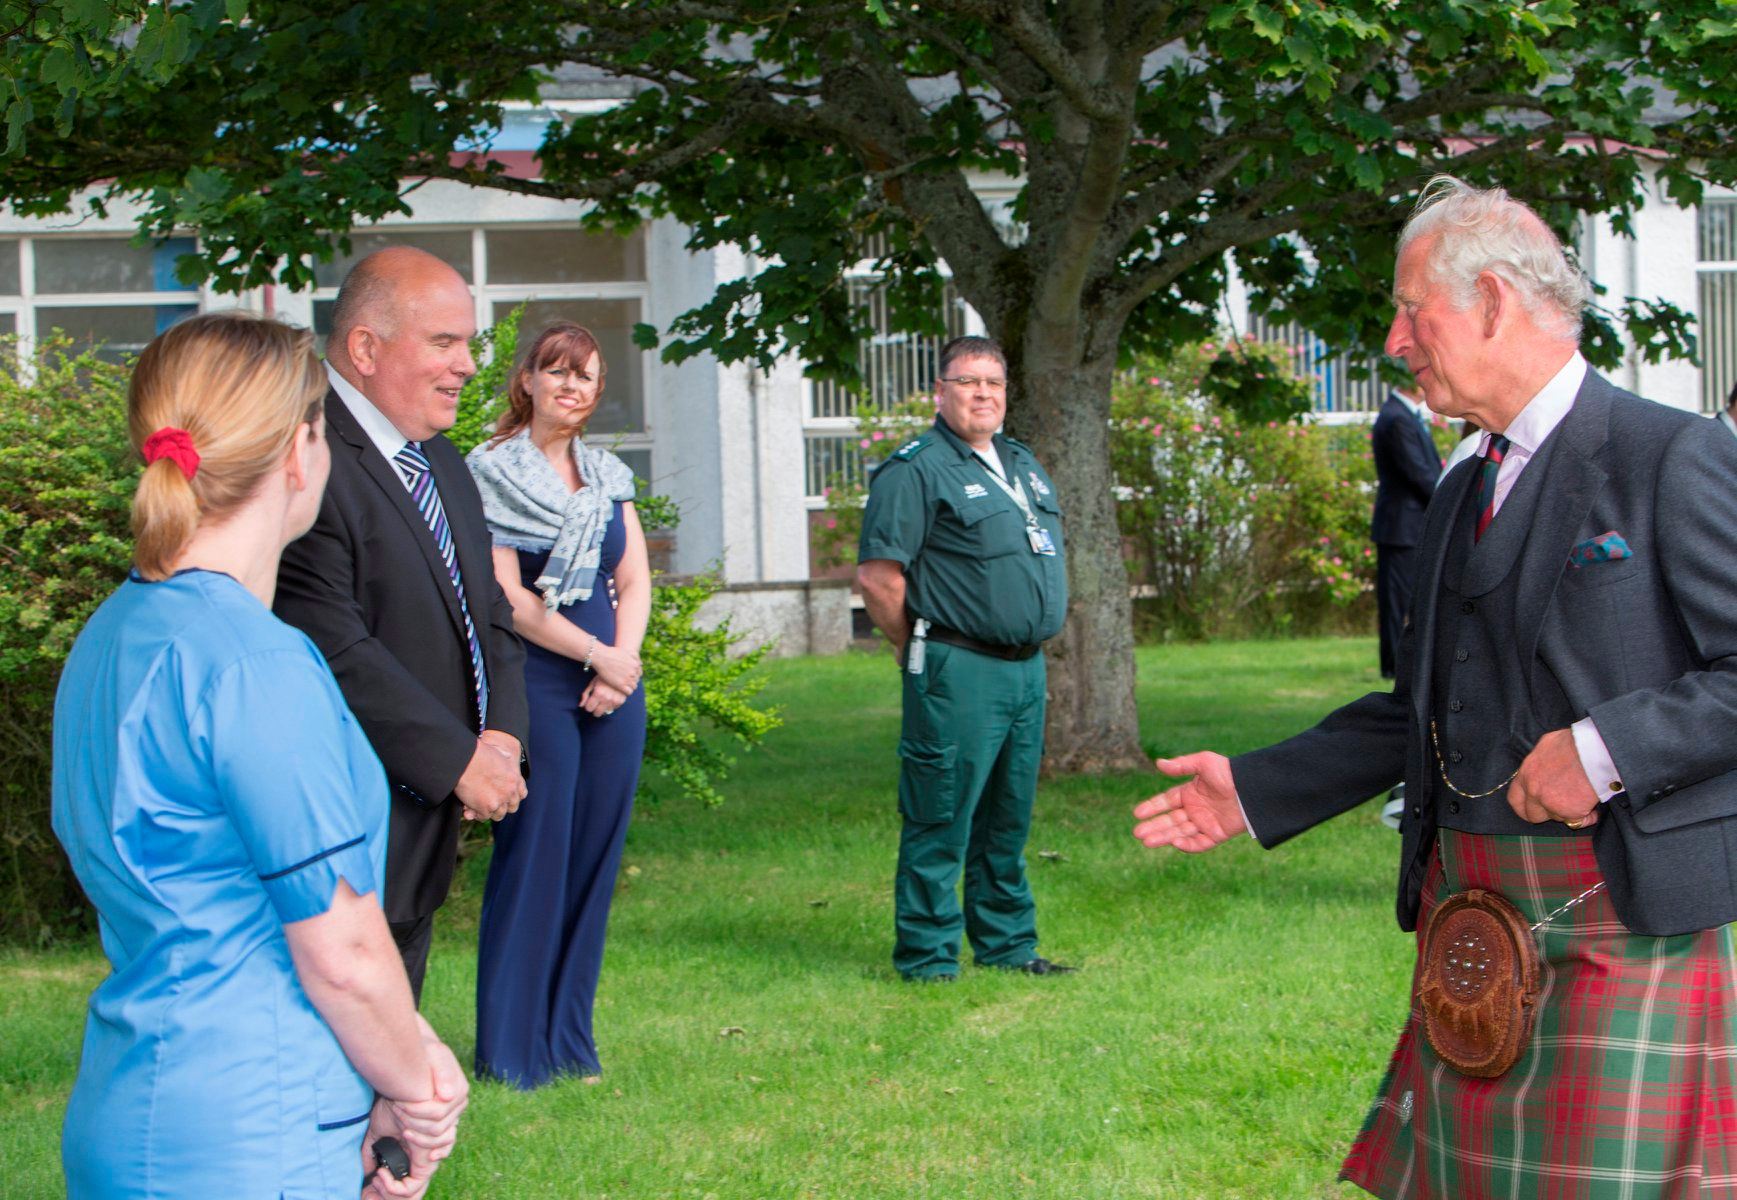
x=880, y=431
x=1237, y=517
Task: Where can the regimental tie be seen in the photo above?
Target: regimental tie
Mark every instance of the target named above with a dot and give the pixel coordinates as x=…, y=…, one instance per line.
x=1487, y=483
x=419, y=477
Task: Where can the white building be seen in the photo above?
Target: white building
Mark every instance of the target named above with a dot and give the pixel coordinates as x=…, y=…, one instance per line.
x=745, y=452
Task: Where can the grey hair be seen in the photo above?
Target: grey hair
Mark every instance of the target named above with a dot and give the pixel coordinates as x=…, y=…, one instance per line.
x=1485, y=229
x=970, y=346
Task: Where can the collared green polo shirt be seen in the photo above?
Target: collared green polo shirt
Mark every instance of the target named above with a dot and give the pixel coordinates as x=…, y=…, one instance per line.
x=936, y=509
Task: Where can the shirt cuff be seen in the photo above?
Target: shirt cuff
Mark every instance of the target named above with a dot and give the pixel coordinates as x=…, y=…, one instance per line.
x=1595, y=759
x=1246, y=823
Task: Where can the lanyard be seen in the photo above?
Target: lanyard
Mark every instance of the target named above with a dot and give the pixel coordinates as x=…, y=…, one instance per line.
x=1015, y=492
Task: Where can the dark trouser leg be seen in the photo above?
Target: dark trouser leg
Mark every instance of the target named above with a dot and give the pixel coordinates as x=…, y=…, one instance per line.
x=613, y=748
x=1000, y=916
x=957, y=719
x=1395, y=571
x=521, y=939
x=413, y=938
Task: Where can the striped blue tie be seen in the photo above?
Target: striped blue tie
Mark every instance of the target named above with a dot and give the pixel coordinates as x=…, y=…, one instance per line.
x=419, y=477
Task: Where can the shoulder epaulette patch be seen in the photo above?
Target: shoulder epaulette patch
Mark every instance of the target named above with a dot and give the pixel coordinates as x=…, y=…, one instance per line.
x=912, y=448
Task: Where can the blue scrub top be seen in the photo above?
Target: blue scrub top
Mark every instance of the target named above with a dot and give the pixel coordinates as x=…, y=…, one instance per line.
x=210, y=786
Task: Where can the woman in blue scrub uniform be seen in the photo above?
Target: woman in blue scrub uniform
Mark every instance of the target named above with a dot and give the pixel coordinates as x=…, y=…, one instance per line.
x=228, y=820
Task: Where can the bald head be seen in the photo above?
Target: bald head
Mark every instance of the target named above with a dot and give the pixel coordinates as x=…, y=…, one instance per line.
x=401, y=332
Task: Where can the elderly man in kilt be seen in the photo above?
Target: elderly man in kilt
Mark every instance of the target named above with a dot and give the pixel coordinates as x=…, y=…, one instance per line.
x=1565, y=720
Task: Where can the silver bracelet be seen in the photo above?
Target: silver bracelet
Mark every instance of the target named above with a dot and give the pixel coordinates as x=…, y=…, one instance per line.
x=589, y=652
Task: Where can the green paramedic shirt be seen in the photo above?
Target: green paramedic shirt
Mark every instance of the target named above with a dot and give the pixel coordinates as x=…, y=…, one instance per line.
x=935, y=508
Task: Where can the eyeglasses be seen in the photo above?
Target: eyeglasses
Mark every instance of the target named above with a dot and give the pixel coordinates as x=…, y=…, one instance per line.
x=970, y=381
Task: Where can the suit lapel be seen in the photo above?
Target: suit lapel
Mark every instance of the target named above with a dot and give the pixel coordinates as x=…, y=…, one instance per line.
x=373, y=464
x=1572, y=482
x=1439, y=525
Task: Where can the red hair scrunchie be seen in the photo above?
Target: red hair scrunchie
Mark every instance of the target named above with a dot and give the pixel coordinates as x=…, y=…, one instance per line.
x=173, y=444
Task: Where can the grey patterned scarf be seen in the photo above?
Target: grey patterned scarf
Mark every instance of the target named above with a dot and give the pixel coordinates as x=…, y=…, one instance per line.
x=529, y=508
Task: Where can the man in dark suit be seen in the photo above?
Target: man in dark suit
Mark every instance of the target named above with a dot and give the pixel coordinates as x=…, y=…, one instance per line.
x=1728, y=415
x=395, y=583
x=1406, y=470
x=1572, y=645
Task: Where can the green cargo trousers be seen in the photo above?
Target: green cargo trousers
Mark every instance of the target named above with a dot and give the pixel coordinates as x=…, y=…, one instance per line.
x=969, y=751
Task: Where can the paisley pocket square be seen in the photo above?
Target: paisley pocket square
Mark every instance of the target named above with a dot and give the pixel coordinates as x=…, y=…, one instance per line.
x=1606, y=547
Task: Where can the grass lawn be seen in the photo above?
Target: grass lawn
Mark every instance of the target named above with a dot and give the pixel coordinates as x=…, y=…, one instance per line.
x=1231, y=1021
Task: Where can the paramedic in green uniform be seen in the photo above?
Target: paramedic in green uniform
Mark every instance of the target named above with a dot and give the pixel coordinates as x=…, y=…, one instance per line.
x=962, y=569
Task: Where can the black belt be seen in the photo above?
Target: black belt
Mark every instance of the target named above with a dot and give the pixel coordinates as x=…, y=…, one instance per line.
x=940, y=633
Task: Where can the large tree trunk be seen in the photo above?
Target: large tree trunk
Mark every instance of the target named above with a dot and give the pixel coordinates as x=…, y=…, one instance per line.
x=1061, y=409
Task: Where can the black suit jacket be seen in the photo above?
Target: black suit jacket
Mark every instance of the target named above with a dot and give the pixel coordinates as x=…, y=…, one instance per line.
x=1646, y=645
x=1407, y=469
x=368, y=585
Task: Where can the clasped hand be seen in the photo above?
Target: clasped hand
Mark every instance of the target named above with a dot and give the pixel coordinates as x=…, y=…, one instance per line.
x=618, y=668
x=492, y=784
x=599, y=699
x=427, y=1128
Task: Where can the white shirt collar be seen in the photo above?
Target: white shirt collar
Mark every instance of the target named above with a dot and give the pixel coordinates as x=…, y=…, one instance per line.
x=382, y=432
x=1417, y=407
x=1726, y=418
x=1544, y=412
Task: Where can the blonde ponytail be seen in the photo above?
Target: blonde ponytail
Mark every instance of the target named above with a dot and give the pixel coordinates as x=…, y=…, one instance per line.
x=212, y=408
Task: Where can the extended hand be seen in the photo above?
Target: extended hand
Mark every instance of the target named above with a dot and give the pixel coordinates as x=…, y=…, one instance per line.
x=1552, y=785
x=1199, y=814
x=619, y=668
x=599, y=699
x=491, y=786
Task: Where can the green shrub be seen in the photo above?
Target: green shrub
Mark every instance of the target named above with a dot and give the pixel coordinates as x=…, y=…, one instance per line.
x=1231, y=523
x=692, y=684
x=67, y=475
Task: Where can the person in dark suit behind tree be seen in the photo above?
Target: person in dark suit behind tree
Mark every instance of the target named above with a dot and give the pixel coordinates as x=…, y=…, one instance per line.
x=1562, y=719
x=1406, y=471
x=395, y=581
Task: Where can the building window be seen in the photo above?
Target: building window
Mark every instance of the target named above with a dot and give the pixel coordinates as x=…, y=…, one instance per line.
x=104, y=292
x=1335, y=389
x=894, y=366
x=558, y=273
x=1717, y=328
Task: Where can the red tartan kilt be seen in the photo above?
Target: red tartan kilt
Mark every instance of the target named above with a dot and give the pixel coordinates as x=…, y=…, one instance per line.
x=1629, y=1087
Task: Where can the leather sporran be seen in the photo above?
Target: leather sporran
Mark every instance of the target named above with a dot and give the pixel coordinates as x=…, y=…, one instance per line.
x=1479, y=982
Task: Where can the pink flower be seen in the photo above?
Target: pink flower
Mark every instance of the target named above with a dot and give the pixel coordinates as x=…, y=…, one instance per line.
x=877, y=435
x=1153, y=381
x=1324, y=541
x=864, y=443
x=1272, y=424
x=831, y=523
x=1209, y=347
x=1195, y=428
x=1157, y=431
x=1337, y=561
x=1215, y=422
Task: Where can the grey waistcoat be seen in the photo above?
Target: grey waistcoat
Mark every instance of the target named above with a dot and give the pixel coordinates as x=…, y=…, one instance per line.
x=1483, y=713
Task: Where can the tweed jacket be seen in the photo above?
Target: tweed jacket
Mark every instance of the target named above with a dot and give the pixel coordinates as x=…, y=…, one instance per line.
x=1645, y=644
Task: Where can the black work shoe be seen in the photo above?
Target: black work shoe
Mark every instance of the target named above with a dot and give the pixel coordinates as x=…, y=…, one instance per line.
x=1042, y=966
x=931, y=978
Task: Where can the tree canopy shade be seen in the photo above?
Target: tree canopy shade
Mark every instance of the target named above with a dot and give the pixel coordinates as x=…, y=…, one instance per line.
x=1149, y=143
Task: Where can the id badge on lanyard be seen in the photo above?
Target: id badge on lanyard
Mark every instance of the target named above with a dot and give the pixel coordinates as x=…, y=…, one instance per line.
x=1039, y=537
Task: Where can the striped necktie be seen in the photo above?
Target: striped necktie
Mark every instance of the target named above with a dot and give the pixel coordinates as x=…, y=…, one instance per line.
x=1487, y=482
x=419, y=478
